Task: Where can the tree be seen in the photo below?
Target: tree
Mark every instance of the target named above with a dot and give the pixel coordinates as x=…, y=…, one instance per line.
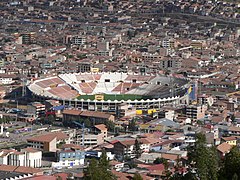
x=132, y=125
x=231, y=164
x=235, y=177
x=99, y=169
x=110, y=125
x=137, y=148
x=92, y=171
x=213, y=163
x=199, y=156
x=50, y=119
x=137, y=176
x=159, y=160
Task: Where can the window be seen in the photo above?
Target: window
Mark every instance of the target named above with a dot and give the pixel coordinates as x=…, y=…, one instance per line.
x=107, y=80
x=134, y=80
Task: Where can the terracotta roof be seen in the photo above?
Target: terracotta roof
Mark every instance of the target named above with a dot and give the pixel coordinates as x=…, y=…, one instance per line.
x=20, y=169
x=29, y=149
x=96, y=114
x=101, y=127
x=72, y=112
x=87, y=113
x=62, y=175
x=224, y=147
x=230, y=138
x=172, y=157
x=159, y=167
x=234, y=128
x=49, y=137
x=45, y=177
x=121, y=175
x=73, y=146
x=132, y=141
x=217, y=119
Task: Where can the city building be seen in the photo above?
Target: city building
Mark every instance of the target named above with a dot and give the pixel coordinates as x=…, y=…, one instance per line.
x=48, y=142
x=36, y=108
x=28, y=157
x=69, y=155
x=196, y=111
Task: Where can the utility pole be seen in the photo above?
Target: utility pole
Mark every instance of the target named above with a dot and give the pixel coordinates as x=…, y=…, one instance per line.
x=83, y=135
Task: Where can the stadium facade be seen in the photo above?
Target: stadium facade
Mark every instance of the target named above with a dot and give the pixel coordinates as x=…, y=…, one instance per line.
x=109, y=92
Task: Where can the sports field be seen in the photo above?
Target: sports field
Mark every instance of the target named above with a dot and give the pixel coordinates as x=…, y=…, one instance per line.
x=113, y=97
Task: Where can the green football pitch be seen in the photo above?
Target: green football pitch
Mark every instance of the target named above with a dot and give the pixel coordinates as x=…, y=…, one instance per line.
x=113, y=97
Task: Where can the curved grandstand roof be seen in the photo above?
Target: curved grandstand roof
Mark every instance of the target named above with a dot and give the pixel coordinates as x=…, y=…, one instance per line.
x=84, y=85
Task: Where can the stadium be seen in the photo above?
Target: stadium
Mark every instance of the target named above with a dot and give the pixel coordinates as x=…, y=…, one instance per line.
x=109, y=92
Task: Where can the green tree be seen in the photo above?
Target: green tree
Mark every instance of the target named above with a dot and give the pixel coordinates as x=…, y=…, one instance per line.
x=159, y=160
x=137, y=148
x=92, y=171
x=231, y=164
x=213, y=164
x=199, y=156
x=50, y=119
x=132, y=125
x=137, y=176
x=235, y=177
x=99, y=169
x=110, y=125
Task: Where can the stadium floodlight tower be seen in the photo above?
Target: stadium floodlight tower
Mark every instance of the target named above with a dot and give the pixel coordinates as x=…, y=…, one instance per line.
x=24, y=81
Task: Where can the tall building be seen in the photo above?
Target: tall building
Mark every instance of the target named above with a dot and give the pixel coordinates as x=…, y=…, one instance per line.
x=28, y=38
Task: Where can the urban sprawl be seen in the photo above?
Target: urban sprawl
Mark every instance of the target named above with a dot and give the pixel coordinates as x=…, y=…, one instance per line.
x=120, y=89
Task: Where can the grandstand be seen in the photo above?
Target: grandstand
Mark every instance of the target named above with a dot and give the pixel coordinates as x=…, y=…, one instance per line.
x=84, y=90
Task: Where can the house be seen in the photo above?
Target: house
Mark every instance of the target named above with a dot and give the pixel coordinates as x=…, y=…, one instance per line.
x=156, y=125
x=230, y=140
x=70, y=155
x=71, y=115
x=36, y=108
x=2, y=92
x=196, y=111
x=101, y=129
x=233, y=130
x=126, y=147
x=7, y=78
x=117, y=166
x=223, y=149
x=28, y=157
x=48, y=142
x=9, y=169
x=156, y=171
x=95, y=137
x=33, y=157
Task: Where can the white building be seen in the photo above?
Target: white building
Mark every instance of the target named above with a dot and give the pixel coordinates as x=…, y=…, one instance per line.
x=70, y=155
x=28, y=157
x=7, y=78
